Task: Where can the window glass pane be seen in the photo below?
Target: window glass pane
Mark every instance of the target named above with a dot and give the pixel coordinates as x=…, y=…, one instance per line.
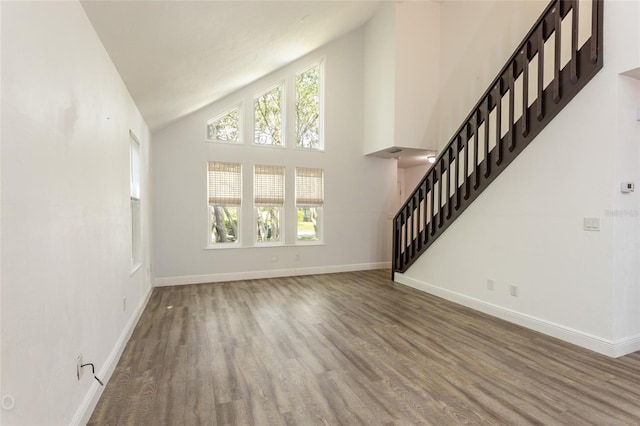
x=225, y=128
x=136, y=233
x=308, y=108
x=268, y=118
x=268, y=223
x=224, y=224
x=308, y=223
x=134, y=174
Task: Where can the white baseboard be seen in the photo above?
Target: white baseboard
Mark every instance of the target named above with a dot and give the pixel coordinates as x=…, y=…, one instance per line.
x=597, y=344
x=275, y=273
x=83, y=414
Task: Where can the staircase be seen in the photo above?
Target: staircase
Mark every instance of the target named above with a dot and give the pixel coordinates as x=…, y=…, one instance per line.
x=542, y=76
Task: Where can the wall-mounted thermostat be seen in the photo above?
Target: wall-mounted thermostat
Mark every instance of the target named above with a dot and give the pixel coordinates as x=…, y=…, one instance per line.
x=627, y=187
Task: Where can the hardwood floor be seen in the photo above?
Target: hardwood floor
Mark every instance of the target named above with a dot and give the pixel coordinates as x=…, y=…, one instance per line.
x=352, y=348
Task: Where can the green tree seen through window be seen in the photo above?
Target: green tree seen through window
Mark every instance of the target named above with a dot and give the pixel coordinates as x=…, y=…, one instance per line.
x=308, y=108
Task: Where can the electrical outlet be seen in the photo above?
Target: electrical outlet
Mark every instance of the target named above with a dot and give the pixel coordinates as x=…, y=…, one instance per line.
x=490, y=285
x=513, y=289
x=274, y=258
x=79, y=363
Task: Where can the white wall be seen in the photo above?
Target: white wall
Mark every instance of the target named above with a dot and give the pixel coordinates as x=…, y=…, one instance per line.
x=379, y=80
x=417, y=74
x=66, y=248
x=402, y=59
x=526, y=229
x=359, y=191
x=477, y=38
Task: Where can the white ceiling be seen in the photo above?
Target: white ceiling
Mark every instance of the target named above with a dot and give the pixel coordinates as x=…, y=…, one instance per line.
x=178, y=56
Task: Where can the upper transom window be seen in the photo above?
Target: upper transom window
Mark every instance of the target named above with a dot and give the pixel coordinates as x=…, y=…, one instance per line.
x=268, y=117
x=225, y=127
x=308, y=109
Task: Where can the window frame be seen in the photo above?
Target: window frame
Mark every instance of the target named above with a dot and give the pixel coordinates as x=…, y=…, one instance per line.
x=281, y=207
x=217, y=117
x=135, y=202
x=319, y=240
x=283, y=114
x=321, y=91
x=238, y=207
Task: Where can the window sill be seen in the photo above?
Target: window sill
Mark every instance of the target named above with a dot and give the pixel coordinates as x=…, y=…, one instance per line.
x=261, y=246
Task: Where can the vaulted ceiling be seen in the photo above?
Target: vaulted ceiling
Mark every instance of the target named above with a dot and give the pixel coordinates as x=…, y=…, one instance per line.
x=178, y=56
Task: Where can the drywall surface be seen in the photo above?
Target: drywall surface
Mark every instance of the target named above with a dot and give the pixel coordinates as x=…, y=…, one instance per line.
x=66, y=231
x=360, y=192
x=401, y=78
x=526, y=229
x=379, y=80
x=417, y=81
x=477, y=38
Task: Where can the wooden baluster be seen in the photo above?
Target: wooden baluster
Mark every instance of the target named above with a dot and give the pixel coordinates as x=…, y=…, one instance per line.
x=511, y=133
x=420, y=213
x=498, y=94
x=487, y=162
x=558, y=50
x=448, y=189
x=410, y=219
x=432, y=222
x=399, y=248
x=406, y=233
x=456, y=178
x=574, y=42
x=475, y=173
x=596, y=10
x=439, y=174
x=540, y=100
x=465, y=177
x=525, y=90
x=414, y=221
x=427, y=209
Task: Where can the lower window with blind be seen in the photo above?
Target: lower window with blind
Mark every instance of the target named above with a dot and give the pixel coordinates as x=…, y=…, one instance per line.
x=225, y=200
x=268, y=194
x=309, y=203
x=225, y=204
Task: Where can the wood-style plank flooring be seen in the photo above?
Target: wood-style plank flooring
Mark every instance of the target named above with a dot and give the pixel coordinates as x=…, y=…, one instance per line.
x=352, y=348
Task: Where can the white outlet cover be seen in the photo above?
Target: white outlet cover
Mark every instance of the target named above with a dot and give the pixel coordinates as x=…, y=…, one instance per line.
x=79, y=363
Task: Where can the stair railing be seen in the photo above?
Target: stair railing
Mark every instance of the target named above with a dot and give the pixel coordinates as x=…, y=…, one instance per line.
x=524, y=97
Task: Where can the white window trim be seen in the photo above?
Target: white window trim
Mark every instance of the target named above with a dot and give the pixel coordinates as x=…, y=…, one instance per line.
x=135, y=264
x=320, y=63
x=239, y=106
x=283, y=114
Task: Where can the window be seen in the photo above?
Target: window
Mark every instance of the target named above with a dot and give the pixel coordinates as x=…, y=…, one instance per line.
x=134, y=197
x=309, y=202
x=268, y=118
x=308, y=109
x=225, y=199
x=225, y=127
x=268, y=190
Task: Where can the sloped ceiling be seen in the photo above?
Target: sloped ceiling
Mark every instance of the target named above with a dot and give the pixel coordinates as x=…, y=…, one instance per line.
x=178, y=56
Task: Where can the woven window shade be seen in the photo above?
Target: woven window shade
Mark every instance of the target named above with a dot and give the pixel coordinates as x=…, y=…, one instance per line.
x=225, y=183
x=309, y=187
x=268, y=185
